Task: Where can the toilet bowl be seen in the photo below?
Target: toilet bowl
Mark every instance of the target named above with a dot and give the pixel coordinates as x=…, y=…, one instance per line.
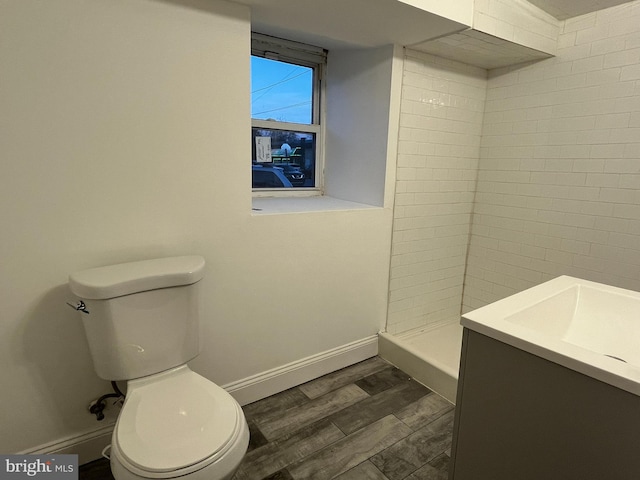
x=141, y=322
x=178, y=423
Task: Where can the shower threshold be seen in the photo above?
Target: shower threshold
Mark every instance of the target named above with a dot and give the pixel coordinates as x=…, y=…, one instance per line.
x=431, y=355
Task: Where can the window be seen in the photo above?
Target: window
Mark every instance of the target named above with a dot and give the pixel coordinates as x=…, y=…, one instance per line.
x=286, y=115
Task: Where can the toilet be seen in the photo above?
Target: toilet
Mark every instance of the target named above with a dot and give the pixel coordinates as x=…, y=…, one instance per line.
x=142, y=324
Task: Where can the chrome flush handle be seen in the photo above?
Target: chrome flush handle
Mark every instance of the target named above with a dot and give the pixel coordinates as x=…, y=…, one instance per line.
x=81, y=307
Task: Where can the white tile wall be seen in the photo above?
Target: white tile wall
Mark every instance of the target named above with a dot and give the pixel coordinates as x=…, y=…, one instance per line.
x=440, y=129
x=559, y=177
x=558, y=188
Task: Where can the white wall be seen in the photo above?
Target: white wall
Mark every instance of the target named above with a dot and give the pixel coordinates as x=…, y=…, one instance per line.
x=440, y=127
x=460, y=10
x=359, y=106
x=559, y=180
x=125, y=128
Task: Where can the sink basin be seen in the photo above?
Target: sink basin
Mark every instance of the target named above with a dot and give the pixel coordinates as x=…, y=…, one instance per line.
x=586, y=326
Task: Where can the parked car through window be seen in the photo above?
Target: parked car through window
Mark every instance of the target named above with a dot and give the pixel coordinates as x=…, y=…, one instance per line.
x=269, y=177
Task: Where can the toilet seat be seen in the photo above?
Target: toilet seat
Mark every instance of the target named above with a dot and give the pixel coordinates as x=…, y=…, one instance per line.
x=174, y=423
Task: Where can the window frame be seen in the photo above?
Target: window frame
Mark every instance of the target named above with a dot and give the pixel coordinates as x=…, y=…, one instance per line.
x=279, y=49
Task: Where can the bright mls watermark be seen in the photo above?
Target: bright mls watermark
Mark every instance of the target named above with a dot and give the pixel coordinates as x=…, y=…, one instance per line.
x=49, y=467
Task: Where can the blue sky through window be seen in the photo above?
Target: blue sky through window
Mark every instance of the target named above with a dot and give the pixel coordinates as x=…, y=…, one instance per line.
x=281, y=91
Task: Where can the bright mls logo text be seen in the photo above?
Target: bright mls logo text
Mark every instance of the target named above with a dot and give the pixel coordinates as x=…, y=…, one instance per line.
x=53, y=467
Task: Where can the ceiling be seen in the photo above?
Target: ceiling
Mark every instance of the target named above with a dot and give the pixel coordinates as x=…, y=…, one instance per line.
x=367, y=23
x=480, y=49
x=563, y=9
x=354, y=23
x=337, y=24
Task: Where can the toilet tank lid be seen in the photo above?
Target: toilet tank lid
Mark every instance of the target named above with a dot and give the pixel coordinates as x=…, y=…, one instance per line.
x=127, y=278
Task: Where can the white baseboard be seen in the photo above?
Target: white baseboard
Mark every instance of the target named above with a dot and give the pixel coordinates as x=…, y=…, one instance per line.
x=89, y=446
x=287, y=376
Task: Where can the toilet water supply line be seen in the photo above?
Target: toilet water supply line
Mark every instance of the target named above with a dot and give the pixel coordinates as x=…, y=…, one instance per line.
x=96, y=407
x=99, y=405
x=106, y=452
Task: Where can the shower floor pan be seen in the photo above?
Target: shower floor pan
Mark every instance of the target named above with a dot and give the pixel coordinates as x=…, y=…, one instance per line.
x=430, y=355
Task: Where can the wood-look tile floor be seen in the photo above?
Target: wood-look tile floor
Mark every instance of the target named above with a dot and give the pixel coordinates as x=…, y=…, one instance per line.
x=367, y=421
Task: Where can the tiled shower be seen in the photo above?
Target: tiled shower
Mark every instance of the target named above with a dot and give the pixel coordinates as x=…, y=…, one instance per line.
x=438, y=153
x=509, y=177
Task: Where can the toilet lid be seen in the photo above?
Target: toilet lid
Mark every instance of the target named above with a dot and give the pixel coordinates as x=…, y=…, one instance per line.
x=175, y=420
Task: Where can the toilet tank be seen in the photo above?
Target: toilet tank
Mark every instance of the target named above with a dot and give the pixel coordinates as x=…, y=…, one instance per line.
x=140, y=318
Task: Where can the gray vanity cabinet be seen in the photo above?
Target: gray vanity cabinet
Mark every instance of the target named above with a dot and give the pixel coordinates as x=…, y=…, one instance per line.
x=521, y=417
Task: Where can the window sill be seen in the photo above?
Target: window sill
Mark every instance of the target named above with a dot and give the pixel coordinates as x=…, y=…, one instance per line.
x=283, y=205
